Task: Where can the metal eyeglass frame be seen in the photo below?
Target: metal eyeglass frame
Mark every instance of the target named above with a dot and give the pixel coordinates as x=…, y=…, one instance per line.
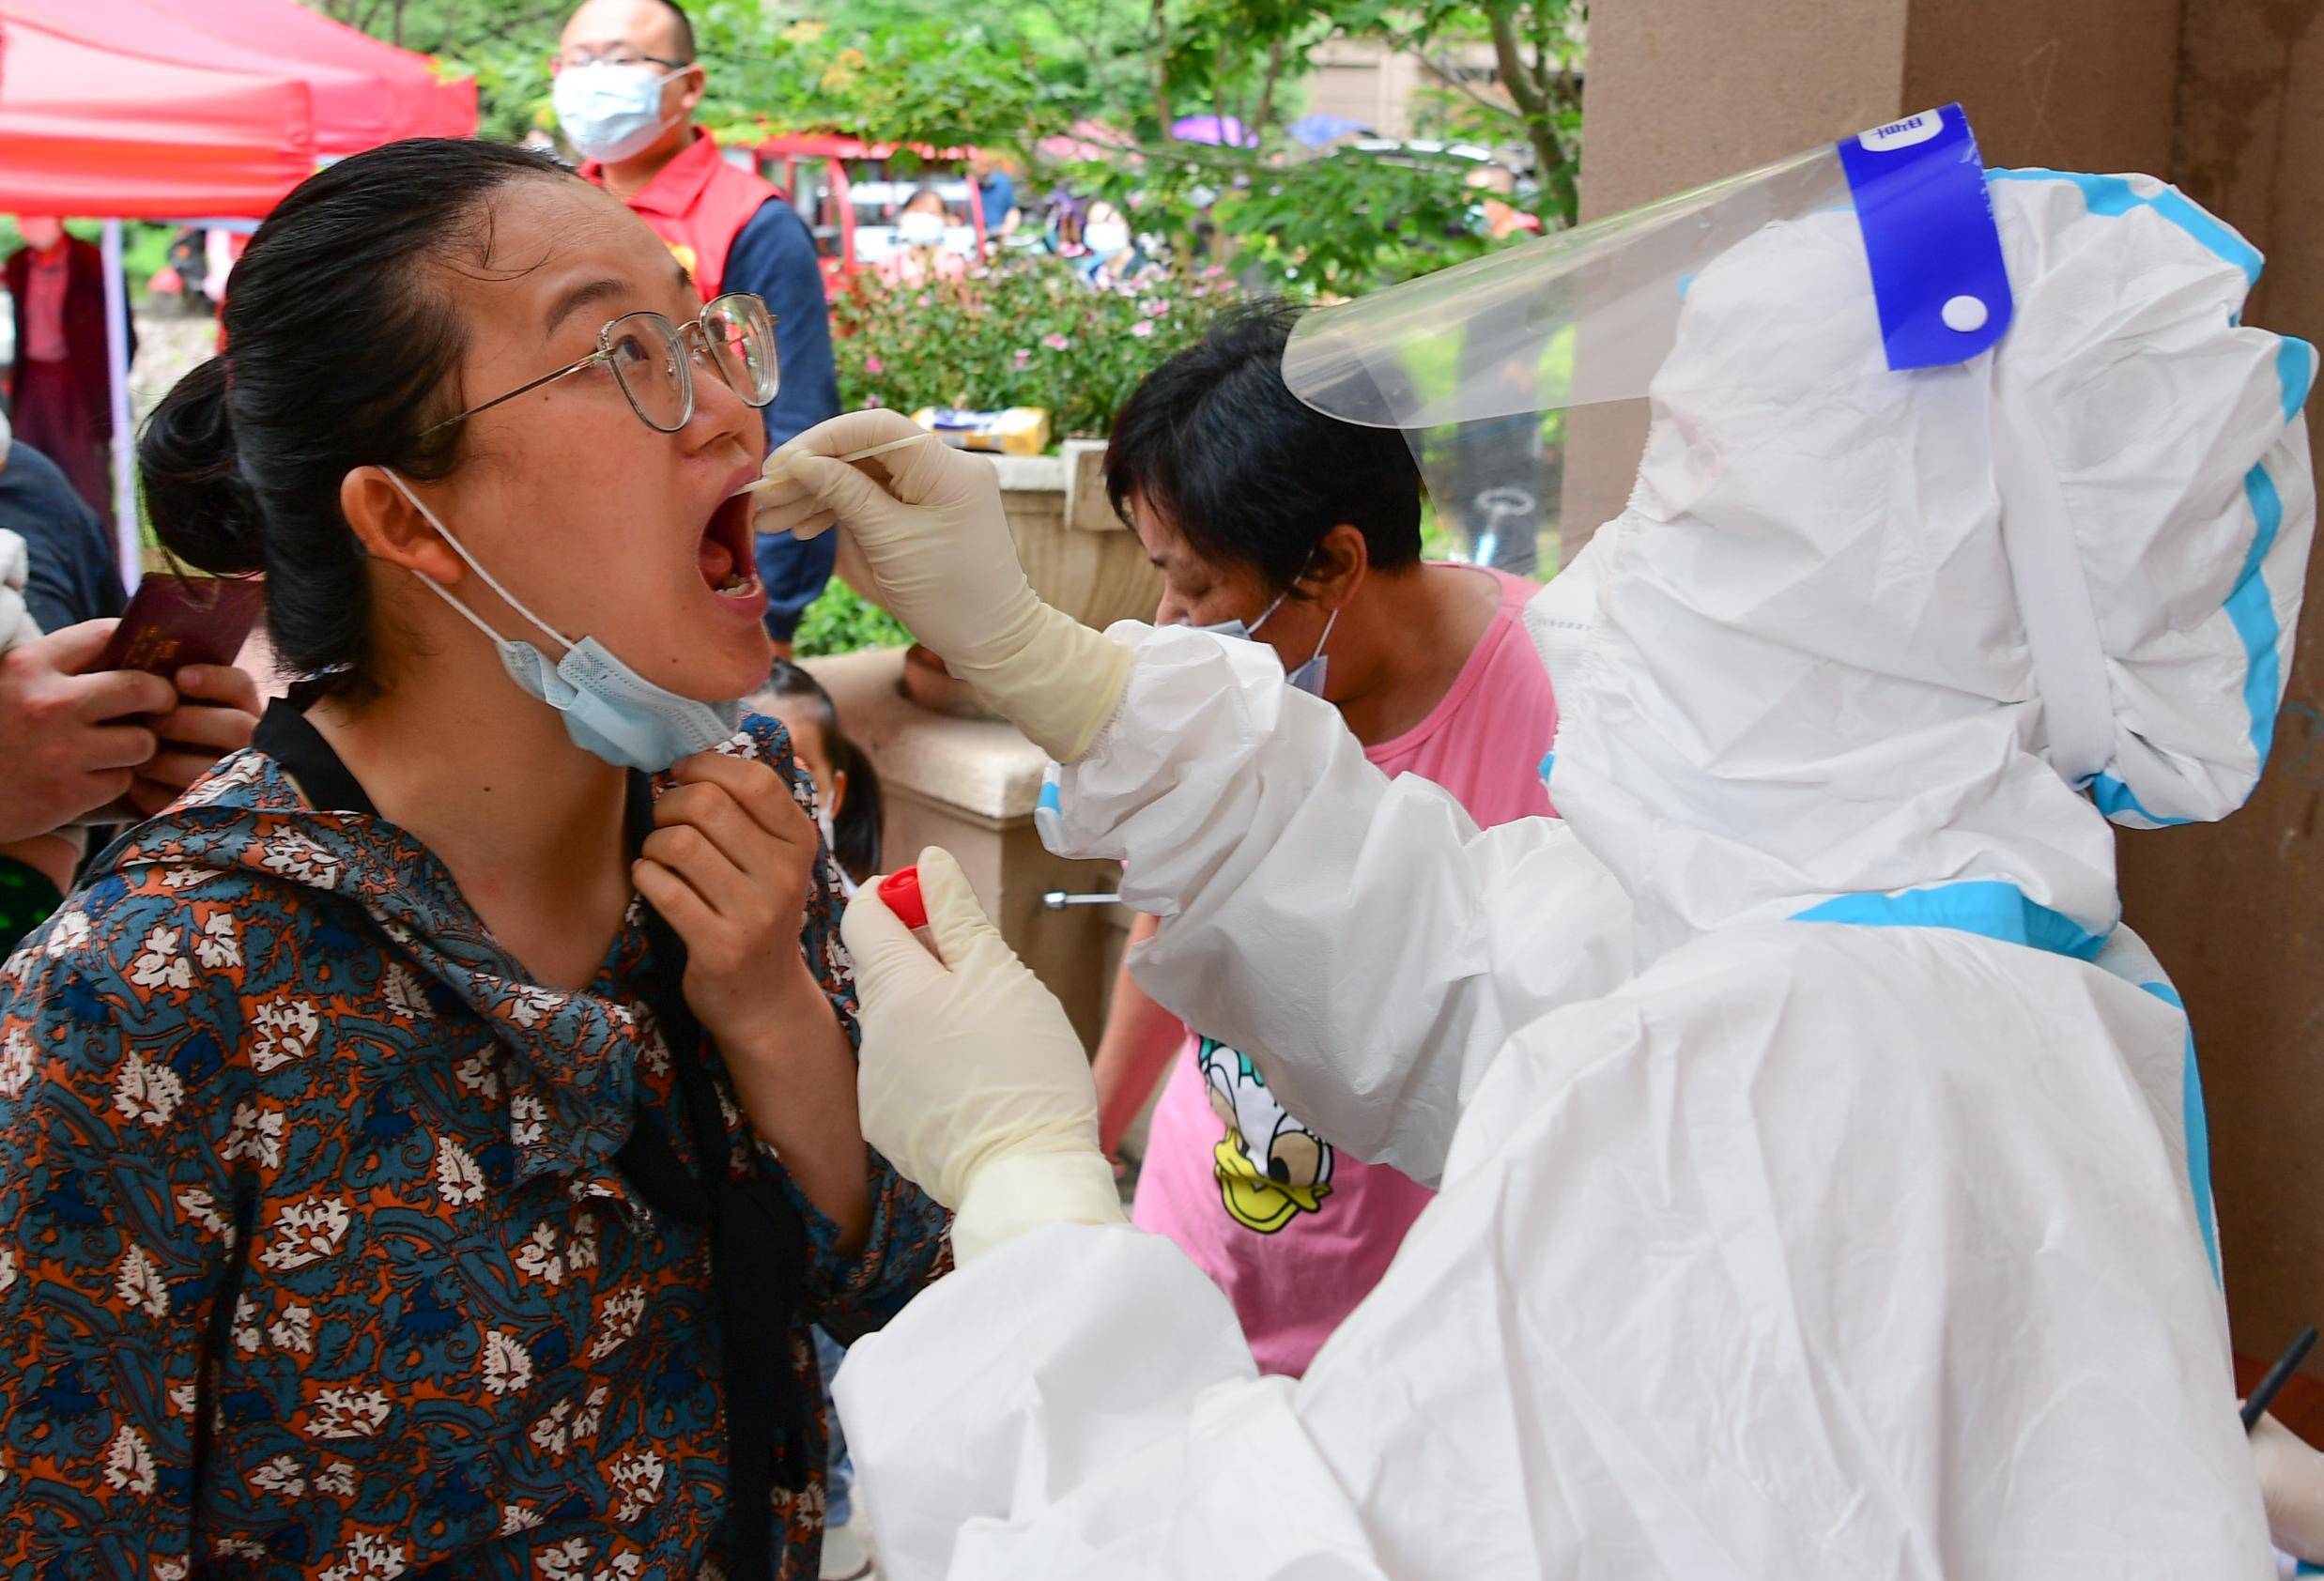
x=635, y=57
x=690, y=337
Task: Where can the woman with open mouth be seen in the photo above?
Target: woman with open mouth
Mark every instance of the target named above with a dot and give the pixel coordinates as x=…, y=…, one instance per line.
x=425, y=1147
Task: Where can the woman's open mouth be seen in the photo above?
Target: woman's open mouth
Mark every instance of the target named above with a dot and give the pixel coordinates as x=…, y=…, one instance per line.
x=729, y=567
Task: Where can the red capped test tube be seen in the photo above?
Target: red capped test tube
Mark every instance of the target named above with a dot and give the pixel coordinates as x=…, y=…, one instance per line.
x=900, y=891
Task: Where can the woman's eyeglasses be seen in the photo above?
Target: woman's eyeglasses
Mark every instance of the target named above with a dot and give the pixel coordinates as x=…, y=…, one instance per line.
x=653, y=360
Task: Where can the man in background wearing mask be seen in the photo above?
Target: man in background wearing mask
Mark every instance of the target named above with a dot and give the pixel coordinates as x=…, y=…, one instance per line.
x=627, y=83
x=60, y=393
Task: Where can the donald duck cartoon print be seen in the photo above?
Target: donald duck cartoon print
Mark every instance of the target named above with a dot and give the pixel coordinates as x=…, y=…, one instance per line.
x=1270, y=1168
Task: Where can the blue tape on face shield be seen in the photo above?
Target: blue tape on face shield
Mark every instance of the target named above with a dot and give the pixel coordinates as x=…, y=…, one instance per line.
x=610, y=710
x=1308, y=677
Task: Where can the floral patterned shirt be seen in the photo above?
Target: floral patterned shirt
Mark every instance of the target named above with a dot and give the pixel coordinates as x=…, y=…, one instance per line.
x=313, y=1256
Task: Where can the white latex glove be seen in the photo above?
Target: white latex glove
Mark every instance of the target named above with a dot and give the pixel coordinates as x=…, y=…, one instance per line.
x=971, y=1081
x=2291, y=1484
x=935, y=539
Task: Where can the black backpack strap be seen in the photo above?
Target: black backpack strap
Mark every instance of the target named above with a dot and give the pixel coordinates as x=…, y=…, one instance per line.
x=758, y=1258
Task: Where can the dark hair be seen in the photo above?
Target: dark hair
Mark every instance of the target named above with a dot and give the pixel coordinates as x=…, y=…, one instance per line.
x=855, y=831
x=1246, y=473
x=340, y=352
x=686, y=29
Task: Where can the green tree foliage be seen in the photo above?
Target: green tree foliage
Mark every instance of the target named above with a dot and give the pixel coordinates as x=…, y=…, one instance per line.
x=1029, y=334
x=505, y=43
x=1012, y=75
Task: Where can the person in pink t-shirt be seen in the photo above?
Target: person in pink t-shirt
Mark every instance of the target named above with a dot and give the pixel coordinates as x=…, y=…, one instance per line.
x=1270, y=520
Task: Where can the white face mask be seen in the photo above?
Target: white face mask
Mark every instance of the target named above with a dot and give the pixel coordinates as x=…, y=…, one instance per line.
x=1107, y=239
x=610, y=710
x=610, y=112
x=920, y=228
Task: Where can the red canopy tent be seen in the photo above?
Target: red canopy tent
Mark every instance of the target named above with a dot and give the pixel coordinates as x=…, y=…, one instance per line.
x=426, y=104
x=85, y=129
x=191, y=109
x=356, y=106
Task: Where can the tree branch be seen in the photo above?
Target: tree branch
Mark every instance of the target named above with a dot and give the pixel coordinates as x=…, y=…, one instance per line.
x=1514, y=76
x=1266, y=116
x=1157, y=67
x=1449, y=76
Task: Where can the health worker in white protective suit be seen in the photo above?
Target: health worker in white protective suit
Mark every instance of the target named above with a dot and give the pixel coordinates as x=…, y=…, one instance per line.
x=1864, y=1231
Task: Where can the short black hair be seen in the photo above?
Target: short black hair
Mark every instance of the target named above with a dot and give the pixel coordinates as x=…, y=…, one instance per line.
x=686, y=29
x=1248, y=473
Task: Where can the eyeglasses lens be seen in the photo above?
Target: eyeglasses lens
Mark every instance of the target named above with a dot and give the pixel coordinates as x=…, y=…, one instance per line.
x=643, y=350
x=740, y=337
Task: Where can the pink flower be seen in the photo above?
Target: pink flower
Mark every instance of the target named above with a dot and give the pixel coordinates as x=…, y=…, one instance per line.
x=874, y=366
x=1156, y=308
x=1024, y=356
x=1143, y=327
x=1055, y=342
x=871, y=401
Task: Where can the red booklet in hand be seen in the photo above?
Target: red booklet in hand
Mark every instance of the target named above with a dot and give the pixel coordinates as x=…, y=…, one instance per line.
x=173, y=622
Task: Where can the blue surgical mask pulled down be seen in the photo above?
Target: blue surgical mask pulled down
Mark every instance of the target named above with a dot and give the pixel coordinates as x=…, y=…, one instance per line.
x=608, y=112
x=610, y=710
x=1308, y=677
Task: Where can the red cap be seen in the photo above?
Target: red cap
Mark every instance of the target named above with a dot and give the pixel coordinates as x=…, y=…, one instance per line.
x=901, y=892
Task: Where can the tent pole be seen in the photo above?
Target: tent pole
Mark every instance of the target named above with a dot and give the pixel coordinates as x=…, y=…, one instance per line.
x=117, y=366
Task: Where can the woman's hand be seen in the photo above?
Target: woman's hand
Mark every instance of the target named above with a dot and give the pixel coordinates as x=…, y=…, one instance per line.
x=729, y=865
x=218, y=708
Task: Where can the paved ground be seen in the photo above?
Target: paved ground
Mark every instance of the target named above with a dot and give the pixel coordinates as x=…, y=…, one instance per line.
x=168, y=346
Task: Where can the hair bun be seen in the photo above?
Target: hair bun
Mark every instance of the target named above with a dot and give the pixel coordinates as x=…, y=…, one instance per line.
x=202, y=511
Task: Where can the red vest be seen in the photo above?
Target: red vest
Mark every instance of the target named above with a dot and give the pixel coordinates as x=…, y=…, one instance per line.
x=698, y=203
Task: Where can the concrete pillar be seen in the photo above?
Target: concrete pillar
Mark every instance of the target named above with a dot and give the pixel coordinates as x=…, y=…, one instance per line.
x=1681, y=92
x=2207, y=92
x=2236, y=909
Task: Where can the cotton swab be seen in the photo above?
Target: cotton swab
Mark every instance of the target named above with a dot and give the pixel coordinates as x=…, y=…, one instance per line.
x=782, y=474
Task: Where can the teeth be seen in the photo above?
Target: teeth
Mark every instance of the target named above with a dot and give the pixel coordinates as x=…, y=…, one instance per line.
x=736, y=582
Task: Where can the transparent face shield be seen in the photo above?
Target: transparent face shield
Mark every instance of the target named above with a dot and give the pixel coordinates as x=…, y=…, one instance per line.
x=1523, y=379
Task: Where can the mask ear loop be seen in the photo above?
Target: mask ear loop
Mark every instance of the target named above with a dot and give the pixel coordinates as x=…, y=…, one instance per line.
x=491, y=582
x=1269, y=613
x=1329, y=620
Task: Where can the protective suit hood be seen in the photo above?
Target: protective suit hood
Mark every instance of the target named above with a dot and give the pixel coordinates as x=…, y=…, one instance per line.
x=1797, y=675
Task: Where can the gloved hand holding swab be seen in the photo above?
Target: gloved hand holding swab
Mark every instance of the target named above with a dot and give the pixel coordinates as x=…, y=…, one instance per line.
x=782, y=473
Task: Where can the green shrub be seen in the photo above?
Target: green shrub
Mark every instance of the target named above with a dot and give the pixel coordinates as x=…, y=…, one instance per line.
x=1029, y=333
x=840, y=622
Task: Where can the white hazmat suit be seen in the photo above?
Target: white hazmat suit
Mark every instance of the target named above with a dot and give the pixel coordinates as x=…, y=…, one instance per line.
x=1857, y=1233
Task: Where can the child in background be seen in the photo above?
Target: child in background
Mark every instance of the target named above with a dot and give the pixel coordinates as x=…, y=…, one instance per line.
x=847, y=790
x=847, y=809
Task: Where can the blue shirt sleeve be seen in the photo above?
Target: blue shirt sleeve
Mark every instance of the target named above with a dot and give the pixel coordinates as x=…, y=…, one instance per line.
x=774, y=256
x=71, y=573
x=999, y=195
